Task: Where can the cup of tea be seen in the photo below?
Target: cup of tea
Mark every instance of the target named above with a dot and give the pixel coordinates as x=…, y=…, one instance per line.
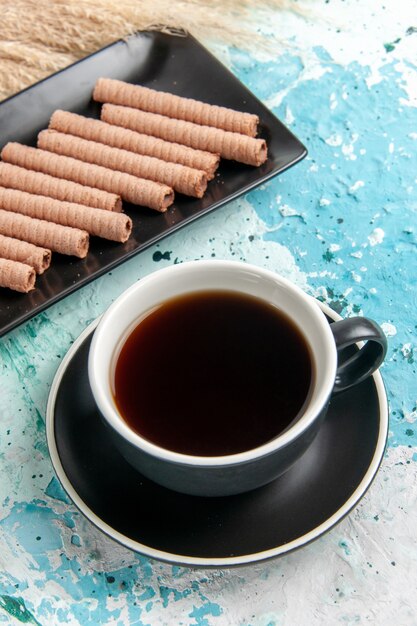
x=215, y=376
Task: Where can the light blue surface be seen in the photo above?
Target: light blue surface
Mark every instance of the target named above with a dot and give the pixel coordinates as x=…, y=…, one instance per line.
x=343, y=225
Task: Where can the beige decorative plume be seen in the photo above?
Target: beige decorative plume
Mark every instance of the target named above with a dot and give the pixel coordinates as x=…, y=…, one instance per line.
x=38, y=37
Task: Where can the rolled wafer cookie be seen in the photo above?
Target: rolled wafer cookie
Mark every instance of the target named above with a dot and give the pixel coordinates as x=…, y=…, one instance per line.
x=105, y=224
x=16, y=250
x=130, y=188
x=117, y=137
x=45, y=185
x=57, y=238
x=229, y=145
x=138, y=97
x=17, y=276
x=181, y=178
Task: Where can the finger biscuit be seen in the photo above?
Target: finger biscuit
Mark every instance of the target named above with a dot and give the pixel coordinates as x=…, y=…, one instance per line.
x=16, y=250
x=138, y=97
x=57, y=238
x=58, y=188
x=117, y=137
x=130, y=188
x=105, y=224
x=229, y=145
x=17, y=276
x=183, y=179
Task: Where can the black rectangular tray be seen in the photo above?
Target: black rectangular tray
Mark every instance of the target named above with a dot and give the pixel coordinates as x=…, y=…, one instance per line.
x=179, y=64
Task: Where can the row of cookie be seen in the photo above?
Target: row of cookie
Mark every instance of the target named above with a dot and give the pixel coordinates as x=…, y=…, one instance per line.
x=32, y=226
x=79, y=141
x=109, y=146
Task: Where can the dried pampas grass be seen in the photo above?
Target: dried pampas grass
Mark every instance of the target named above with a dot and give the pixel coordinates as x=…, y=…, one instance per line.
x=42, y=36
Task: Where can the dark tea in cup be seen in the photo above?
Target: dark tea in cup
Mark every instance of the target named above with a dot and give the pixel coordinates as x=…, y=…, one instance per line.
x=213, y=373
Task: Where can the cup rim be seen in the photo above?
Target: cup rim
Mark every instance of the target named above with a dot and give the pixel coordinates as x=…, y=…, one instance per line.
x=116, y=421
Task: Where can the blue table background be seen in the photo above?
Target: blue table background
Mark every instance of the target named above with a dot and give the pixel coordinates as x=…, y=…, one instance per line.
x=343, y=226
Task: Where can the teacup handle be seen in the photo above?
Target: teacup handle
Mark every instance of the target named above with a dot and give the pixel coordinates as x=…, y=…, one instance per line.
x=366, y=360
